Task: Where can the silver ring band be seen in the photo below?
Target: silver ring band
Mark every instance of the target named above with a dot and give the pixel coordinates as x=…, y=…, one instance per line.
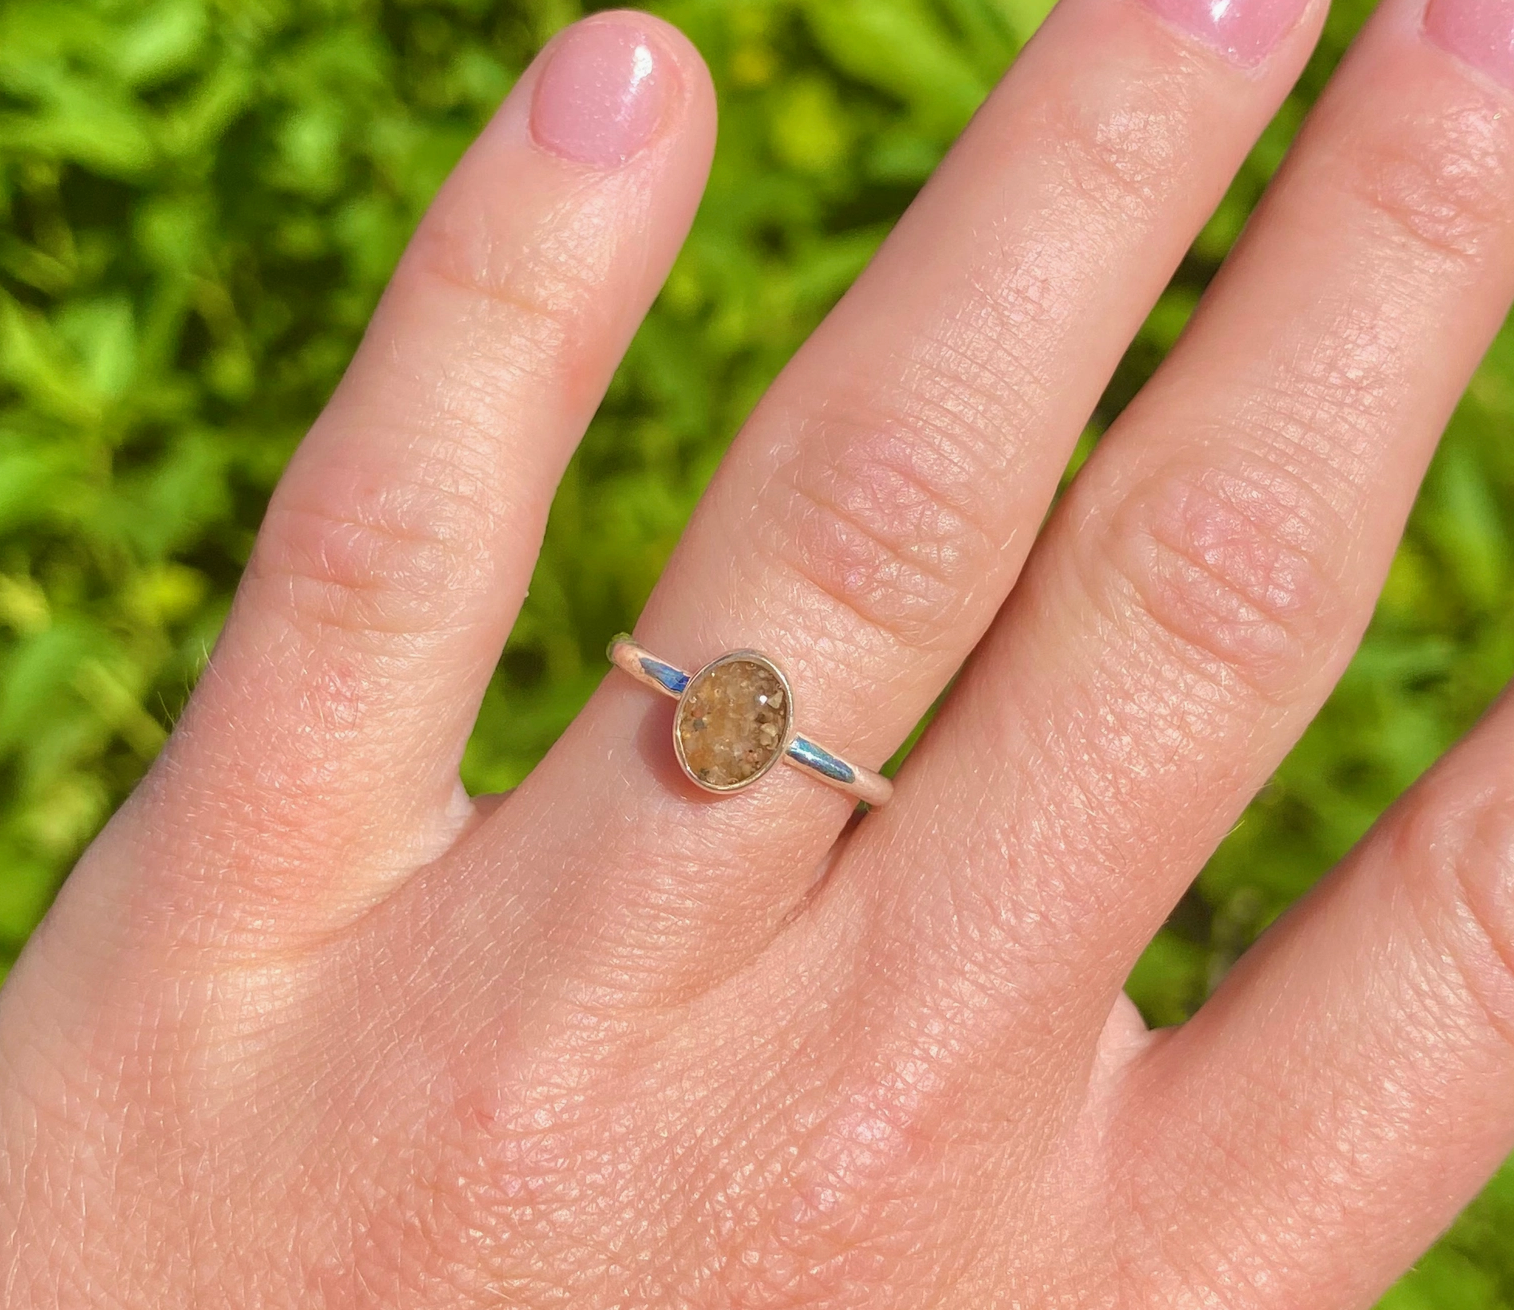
x=735, y=720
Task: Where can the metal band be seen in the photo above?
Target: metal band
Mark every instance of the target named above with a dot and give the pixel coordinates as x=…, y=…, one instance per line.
x=800, y=752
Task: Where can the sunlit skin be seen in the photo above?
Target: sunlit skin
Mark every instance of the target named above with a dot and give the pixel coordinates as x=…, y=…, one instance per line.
x=310, y=1027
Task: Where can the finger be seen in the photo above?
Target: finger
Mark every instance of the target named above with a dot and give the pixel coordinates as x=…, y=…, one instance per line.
x=1205, y=581
x=875, y=510
x=319, y=756
x=1351, y=1084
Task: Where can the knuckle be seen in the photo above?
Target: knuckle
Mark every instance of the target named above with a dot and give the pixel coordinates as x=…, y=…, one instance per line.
x=835, y=1218
x=502, y=1213
x=886, y=515
x=1440, y=181
x=1123, y=155
x=826, y=1249
x=380, y=559
x=820, y=1207
x=1456, y=847
x=532, y=299
x=1225, y=564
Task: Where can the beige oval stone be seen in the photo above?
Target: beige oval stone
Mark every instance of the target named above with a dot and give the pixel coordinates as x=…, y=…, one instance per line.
x=732, y=722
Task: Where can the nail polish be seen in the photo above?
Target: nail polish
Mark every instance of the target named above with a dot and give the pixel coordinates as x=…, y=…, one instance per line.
x=1481, y=32
x=1244, y=31
x=601, y=95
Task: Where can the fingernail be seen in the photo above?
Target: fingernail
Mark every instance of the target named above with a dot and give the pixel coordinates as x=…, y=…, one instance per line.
x=1244, y=31
x=601, y=95
x=1478, y=31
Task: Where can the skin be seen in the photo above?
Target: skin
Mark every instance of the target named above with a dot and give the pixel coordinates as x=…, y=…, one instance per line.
x=308, y=1027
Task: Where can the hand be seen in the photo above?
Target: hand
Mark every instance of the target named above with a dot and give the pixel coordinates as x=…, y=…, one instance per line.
x=308, y=1027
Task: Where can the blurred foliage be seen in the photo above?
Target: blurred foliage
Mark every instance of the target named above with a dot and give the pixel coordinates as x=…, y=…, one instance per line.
x=199, y=203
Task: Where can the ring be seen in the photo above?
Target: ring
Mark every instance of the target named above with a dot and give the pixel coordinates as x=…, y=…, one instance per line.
x=735, y=720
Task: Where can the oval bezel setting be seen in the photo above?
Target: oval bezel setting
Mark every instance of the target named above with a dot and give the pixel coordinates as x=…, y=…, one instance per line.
x=692, y=688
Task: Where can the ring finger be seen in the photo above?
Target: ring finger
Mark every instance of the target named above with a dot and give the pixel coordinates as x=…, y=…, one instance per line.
x=875, y=511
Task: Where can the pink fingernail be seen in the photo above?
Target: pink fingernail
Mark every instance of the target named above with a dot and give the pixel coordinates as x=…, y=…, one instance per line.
x=601, y=95
x=1478, y=31
x=1244, y=31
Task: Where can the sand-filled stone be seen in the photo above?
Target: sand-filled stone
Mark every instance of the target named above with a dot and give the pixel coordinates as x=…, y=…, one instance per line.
x=732, y=722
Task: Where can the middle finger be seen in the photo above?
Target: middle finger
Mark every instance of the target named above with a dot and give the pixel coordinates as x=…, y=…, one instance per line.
x=876, y=509
x=1204, y=583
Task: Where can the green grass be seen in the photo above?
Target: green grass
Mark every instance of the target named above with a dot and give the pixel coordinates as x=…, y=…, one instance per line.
x=199, y=203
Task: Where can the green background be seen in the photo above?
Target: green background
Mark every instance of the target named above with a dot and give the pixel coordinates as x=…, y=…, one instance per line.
x=199, y=203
